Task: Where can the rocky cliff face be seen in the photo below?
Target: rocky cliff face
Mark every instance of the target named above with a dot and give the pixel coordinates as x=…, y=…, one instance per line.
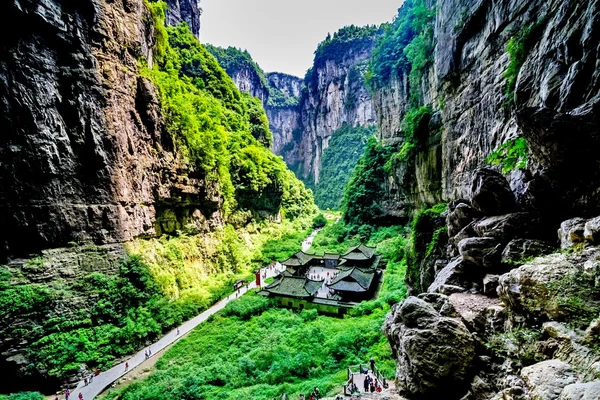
x=85, y=157
x=283, y=111
x=336, y=95
x=555, y=104
x=187, y=11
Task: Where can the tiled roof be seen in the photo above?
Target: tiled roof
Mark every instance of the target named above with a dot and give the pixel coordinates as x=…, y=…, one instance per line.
x=294, y=286
x=353, y=280
x=328, y=256
x=300, y=258
x=360, y=252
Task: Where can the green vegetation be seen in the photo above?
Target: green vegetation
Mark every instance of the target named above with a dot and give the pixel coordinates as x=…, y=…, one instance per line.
x=335, y=48
x=415, y=131
x=362, y=198
x=128, y=311
x=427, y=230
x=518, y=48
x=346, y=146
x=518, y=344
x=511, y=155
x=23, y=396
x=234, y=60
x=222, y=133
x=405, y=47
x=320, y=221
x=254, y=350
x=575, y=298
x=279, y=99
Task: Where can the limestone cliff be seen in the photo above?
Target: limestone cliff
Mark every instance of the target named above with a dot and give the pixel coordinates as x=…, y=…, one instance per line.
x=283, y=111
x=85, y=157
x=553, y=104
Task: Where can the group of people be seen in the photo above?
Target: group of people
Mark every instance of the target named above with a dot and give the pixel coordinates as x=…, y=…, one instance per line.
x=315, y=395
x=67, y=394
x=371, y=384
x=88, y=379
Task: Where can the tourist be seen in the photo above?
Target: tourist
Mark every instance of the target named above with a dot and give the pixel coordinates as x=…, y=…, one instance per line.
x=366, y=384
x=56, y=398
x=80, y=396
x=67, y=394
x=91, y=377
x=372, y=361
x=126, y=365
x=316, y=393
x=177, y=331
x=85, y=381
x=284, y=397
x=149, y=351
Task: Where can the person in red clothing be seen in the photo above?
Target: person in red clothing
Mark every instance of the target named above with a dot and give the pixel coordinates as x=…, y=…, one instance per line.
x=126, y=365
x=80, y=396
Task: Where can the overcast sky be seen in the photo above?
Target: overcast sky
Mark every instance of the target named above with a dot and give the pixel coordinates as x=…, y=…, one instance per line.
x=282, y=35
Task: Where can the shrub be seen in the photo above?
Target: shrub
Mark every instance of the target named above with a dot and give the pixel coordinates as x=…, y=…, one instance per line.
x=511, y=155
x=319, y=221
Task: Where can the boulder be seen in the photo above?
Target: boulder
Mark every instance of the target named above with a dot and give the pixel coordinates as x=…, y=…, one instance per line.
x=460, y=214
x=571, y=232
x=547, y=379
x=526, y=290
x=592, y=333
x=483, y=251
x=434, y=352
x=453, y=274
x=591, y=231
x=491, y=193
x=509, y=226
x=581, y=391
x=473, y=308
x=518, y=250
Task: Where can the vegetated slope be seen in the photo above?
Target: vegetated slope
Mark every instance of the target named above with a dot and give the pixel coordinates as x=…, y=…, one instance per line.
x=177, y=151
x=339, y=159
x=304, y=114
x=254, y=350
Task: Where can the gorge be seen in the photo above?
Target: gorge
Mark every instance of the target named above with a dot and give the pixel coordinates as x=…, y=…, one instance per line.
x=138, y=180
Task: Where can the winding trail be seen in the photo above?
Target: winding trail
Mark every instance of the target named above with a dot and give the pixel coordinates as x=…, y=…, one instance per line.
x=106, y=378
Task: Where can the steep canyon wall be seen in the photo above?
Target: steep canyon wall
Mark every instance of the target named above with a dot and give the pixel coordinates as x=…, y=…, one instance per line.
x=555, y=105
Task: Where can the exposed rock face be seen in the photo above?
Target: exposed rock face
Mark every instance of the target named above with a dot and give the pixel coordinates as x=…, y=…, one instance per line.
x=470, y=58
x=84, y=156
x=187, y=11
x=433, y=347
x=285, y=119
x=336, y=95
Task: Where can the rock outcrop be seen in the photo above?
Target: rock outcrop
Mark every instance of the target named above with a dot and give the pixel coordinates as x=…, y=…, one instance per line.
x=553, y=109
x=433, y=348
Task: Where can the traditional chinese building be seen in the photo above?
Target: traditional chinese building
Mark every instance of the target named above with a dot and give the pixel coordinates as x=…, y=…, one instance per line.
x=345, y=280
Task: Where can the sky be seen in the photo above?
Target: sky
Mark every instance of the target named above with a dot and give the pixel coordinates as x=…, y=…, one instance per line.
x=282, y=35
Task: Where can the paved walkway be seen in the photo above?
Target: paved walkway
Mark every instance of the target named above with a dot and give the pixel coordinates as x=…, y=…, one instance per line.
x=308, y=241
x=106, y=378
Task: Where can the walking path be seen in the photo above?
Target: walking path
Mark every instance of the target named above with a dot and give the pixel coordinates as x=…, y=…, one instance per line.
x=106, y=378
